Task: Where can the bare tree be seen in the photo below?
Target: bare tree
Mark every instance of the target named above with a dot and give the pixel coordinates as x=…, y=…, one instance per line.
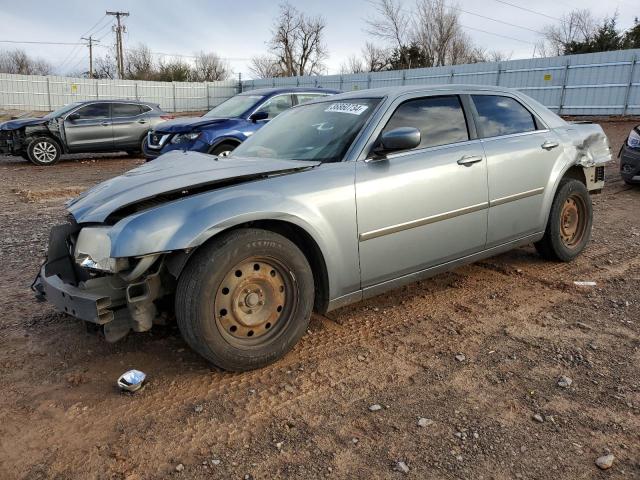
x=210, y=67
x=391, y=24
x=264, y=66
x=297, y=45
x=139, y=64
x=575, y=26
x=371, y=59
x=17, y=61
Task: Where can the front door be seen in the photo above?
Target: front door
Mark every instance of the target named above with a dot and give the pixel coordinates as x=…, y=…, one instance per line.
x=426, y=206
x=89, y=128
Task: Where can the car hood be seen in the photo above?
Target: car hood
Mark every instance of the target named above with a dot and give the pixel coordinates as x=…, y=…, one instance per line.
x=184, y=125
x=170, y=177
x=22, y=122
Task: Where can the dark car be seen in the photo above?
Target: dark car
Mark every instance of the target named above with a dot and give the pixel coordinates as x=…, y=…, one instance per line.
x=630, y=157
x=81, y=127
x=229, y=124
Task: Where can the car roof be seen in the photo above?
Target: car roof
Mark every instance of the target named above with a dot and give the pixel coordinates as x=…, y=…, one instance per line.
x=397, y=91
x=277, y=90
x=114, y=100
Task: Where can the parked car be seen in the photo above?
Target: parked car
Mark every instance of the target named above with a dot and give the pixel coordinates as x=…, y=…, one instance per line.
x=630, y=157
x=81, y=127
x=332, y=202
x=229, y=124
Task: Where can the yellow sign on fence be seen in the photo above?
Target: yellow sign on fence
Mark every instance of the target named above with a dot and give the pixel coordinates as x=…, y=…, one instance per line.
x=74, y=88
x=547, y=77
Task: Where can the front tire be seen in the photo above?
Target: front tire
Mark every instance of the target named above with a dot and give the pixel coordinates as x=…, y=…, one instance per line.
x=223, y=150
x=245, y=299
x=44, y=151
x=569, y=226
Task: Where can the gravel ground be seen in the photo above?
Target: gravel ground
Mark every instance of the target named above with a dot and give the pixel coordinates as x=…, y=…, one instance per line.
x=503, y=369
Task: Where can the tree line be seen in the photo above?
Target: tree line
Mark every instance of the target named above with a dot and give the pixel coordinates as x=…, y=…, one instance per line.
x=427, y=33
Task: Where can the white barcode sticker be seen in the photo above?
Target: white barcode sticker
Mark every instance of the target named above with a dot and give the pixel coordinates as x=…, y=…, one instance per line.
x=351, y=108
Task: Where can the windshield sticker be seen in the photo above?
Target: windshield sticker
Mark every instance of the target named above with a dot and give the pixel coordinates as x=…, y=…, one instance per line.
x=351, y=108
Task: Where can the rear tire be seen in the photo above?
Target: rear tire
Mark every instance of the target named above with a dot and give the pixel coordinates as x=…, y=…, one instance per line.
x=44, y=151
x=570, y=220
x=245, y=299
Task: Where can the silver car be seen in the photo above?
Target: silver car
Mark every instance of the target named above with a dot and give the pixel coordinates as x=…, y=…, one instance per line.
x=332, y=202
x=81, y=127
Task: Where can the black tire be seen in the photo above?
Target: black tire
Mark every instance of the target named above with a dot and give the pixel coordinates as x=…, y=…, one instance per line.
x=44, y=151
x=629, y=182
x=223, y=149
x=214, y=292
x=570, y=220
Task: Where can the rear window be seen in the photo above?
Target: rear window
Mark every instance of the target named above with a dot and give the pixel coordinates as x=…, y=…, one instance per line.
x=502, y=116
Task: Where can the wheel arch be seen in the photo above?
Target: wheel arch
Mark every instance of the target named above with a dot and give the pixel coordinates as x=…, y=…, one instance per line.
x=573, y=171
x=293, y=232
x=221, y=140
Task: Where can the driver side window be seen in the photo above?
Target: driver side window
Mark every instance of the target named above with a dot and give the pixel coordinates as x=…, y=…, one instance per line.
x=440, y=120
x=276, y=105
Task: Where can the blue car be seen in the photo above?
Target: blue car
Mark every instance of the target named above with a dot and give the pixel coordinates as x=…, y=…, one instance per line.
x=221, y=130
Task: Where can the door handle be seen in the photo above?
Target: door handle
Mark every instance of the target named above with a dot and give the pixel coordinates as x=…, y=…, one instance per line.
x=548, y=145
x=105, y=124
x=142, y=121
x=469, y=160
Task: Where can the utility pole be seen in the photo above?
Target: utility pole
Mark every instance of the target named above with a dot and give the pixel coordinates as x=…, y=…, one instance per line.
x=119, y=50
x=90, y=45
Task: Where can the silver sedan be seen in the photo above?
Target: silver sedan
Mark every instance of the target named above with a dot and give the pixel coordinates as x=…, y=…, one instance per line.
x=332, y=202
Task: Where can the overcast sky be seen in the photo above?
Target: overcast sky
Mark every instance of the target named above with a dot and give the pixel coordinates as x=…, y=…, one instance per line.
x=237, y=30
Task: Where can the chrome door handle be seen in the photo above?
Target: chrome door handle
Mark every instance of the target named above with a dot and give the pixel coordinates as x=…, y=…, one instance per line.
x=548, y=145
x=105, y=124
x=142, y=121
x=469, y=160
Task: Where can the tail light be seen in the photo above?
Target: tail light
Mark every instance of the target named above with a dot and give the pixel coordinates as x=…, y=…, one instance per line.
x=167, y=117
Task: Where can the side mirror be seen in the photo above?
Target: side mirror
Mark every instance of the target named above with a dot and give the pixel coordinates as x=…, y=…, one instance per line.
x=256, y=117
x=73, y=117
x=403, y=138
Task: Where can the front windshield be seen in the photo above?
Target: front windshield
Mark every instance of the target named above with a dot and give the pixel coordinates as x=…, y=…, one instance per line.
x=62, y=110
x=318, y=131
x=235, y=106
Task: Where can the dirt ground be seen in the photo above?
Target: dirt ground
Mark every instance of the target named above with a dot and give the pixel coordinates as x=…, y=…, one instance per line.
x=519, y=322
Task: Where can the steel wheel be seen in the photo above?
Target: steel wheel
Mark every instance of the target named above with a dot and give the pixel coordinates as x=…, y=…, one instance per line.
x=45, y=152
x=573, y=221
x=254, y=301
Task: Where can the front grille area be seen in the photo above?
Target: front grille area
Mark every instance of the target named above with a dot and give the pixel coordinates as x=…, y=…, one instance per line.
x=599, y=174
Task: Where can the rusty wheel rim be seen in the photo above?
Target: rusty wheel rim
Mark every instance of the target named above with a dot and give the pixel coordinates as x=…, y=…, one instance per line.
x=254, y=301
x=573, y=221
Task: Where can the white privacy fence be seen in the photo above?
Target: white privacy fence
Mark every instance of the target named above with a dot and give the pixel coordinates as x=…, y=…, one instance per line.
x=606, y=83
x=31, y=92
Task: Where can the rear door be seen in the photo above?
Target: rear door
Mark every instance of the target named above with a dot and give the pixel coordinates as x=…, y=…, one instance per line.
x=521, y=153
x=89, y=128
x=423, y=207
x=129, y=124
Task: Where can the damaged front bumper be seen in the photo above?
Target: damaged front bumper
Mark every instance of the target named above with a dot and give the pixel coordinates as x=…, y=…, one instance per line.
x=118, y=303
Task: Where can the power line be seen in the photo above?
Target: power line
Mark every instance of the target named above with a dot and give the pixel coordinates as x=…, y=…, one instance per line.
x=497, y=34
x=496, y=20
x=527, y=10
x=41, y=43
